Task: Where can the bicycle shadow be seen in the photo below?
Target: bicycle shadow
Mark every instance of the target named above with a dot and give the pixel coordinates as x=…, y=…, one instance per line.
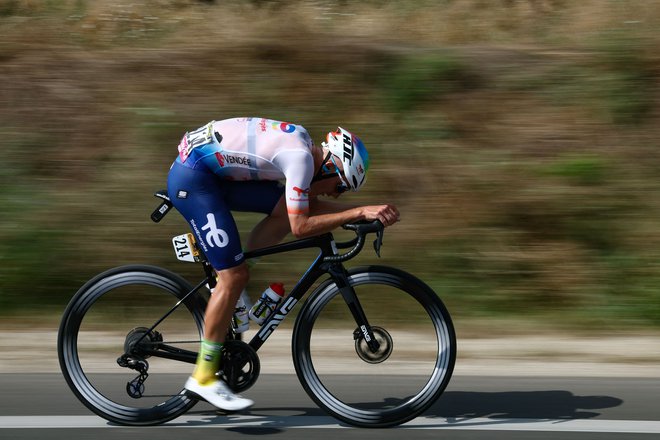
x=272, y=420
x=453, y=408
x=549, y=405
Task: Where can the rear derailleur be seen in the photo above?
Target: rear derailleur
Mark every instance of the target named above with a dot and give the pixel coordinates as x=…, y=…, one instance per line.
x=135, y=388
x=135, y=356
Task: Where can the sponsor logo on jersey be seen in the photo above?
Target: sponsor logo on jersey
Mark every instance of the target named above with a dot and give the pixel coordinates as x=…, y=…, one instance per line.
x=199, y=235
x=284, y=126
x=221, y=160
x=303, y=195
x=230, y=159
x=301, y=192
x=215, y=237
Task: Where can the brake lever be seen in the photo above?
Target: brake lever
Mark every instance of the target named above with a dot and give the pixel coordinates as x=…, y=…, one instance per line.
x=378, y=242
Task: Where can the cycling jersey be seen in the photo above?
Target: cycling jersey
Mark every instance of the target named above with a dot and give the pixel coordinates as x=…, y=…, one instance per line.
x=254, y=149
x=236, y=164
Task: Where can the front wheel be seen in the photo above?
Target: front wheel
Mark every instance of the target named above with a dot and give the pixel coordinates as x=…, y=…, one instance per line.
x=110, y=358
x=397, y=381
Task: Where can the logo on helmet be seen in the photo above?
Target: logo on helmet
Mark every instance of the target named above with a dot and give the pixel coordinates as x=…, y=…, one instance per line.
x=348, y=149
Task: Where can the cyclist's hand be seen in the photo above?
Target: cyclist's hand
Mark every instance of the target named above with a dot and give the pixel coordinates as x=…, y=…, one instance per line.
x=387, y=214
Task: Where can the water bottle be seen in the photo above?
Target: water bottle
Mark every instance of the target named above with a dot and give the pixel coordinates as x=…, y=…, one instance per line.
x=241, y=320
x=267, y=303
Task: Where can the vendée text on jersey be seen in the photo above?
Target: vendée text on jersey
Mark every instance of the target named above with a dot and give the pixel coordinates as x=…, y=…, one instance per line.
x=229, y=159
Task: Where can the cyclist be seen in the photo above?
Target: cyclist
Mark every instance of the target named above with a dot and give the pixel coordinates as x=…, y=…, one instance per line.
x=237, y=164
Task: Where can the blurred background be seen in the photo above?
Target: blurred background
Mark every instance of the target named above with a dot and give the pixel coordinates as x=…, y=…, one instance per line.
x=519, y=139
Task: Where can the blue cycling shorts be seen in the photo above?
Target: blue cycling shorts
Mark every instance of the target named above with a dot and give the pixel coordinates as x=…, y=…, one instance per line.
x=206, y=201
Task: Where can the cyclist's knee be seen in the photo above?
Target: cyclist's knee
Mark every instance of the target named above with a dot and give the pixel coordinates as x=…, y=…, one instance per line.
x=238, y=275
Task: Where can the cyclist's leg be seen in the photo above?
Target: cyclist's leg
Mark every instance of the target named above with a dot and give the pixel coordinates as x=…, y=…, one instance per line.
x=204, y=199
x=271, y=229
x=231, y=282
x=201, y=198
x=266, y=197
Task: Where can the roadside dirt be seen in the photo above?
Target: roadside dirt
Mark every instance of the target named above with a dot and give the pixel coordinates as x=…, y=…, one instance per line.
x=547, y=355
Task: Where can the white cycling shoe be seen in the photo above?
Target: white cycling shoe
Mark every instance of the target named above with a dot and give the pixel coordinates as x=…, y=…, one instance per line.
x=218, y=394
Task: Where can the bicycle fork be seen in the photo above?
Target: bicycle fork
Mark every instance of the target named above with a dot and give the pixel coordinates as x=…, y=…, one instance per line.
x=363, y=330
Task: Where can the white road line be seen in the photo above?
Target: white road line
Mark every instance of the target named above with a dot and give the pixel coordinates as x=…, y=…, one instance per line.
x=321, y=422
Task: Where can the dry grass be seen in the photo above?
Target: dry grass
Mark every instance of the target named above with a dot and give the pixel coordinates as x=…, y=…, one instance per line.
x=517, y=137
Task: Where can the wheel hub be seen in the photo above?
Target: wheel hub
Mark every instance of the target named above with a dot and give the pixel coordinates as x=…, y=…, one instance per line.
x=385, y=347
x=140, y=340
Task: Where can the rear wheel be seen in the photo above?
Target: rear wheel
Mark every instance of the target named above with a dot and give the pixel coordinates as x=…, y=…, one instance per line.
x=104, y=344
x=396, y=382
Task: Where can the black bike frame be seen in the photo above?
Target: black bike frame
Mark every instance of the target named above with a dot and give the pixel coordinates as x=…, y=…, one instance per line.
x=321, y=265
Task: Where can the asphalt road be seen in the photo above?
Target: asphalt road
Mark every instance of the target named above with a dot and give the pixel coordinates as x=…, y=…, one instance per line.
x=41, y=406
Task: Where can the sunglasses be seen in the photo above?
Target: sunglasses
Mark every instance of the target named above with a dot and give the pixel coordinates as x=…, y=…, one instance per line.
x=341, y=188
x=325, y=172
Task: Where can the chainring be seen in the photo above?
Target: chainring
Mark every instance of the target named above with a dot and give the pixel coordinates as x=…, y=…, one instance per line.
x=240, y=365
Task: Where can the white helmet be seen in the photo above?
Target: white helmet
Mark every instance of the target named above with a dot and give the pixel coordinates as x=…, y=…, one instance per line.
x=354, y=158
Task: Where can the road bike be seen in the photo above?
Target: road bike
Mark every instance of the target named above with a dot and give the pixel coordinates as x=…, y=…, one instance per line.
x=373, y=346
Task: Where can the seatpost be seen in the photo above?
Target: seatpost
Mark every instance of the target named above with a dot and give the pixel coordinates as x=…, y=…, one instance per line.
x=210, y=274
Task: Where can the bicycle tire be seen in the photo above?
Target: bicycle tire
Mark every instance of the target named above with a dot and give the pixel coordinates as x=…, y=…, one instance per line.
x=158, y=283
x=338, y=395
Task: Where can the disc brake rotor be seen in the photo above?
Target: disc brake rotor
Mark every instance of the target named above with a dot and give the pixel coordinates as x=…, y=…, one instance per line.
x=384, y=350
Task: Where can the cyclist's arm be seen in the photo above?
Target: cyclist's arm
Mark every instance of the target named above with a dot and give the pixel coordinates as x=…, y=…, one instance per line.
x=325, y=216
x=309, y=216
x=323, y=206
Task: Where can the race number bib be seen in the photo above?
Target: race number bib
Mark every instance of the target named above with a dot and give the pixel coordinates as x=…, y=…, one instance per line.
x=185, y=248
x=193, y=139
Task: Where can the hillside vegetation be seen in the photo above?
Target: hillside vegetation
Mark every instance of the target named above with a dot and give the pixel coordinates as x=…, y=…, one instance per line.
x=518, y=138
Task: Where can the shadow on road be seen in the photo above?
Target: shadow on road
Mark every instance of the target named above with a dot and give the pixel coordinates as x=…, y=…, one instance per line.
x=521, y=404
x=452, y=408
